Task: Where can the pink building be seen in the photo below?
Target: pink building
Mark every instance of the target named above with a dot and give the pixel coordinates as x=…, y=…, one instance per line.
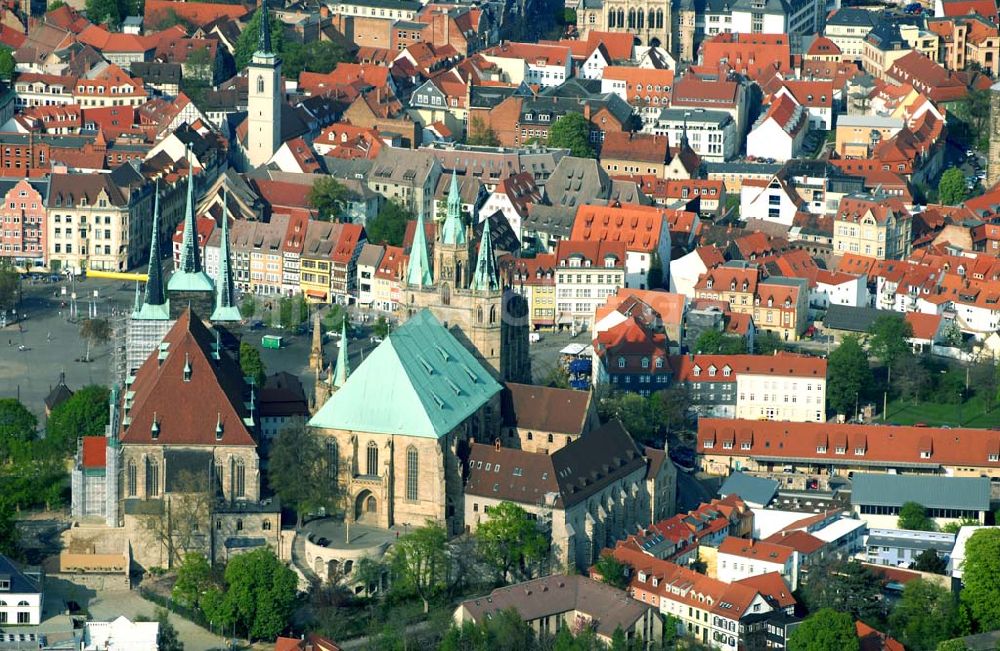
x=22, y=216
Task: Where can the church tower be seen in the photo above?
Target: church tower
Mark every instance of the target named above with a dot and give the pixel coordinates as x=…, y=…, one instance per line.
x=451, y=251
x=265, y=97
x=190, y=285
x=225, y=292
x=487, y=302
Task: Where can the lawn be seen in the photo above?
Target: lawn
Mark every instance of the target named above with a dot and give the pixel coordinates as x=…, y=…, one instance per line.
x=971, y=413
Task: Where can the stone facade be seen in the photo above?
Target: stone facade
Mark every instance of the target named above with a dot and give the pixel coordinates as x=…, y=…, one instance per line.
x=993, y=163
x=651, y=21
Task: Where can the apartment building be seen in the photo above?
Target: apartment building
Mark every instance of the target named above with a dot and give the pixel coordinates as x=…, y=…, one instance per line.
x=22, y=222
x=586, y=273
x=535, y=279
x=643, y=230
x=876, y=226
x=387, y=286
x=344, y=257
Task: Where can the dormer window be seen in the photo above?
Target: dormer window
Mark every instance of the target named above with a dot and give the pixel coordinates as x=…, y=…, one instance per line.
x=696, y=371
x=727, y=445
x=840, y=449
x=732, y=285
x=994, y=457
x=726, y=371
x=659, y=362
x=925, y=454
x=645, y=362
x=711, y=371
x=709, y=283
x=708, y=444
x=745, y=445
x=218, y=427
x=820, y=449
x=621, y=362
x=770, y=302
x=746, y=285
x=187, y=368
x=859, y=452
x=154, y=429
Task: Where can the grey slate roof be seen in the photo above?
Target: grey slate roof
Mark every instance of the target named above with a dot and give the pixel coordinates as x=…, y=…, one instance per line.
x=852, y=319
x=969, y=493
x=851, y=16
x=908, y=542
x=749, y=488
x=19, y=582
x=575, y=181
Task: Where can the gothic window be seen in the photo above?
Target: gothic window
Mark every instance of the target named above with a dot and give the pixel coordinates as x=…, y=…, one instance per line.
x=479, y=314
x=611, y=18
x=241, y=479
x=239, y=525
x=218, y=476
x=640, y=19
x=266, y=525
x=445, y=294
x=631, y=18
x=621, y=18
x=372, y=466
x=332, y=459
x=412, y=466
x=260, y=83
x=131, y=474
x=659, y=19
x=493, y=314
x=152, y=478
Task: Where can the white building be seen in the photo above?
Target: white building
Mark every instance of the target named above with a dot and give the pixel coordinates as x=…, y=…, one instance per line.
x=712, y=134
x=838, y=288
x=530, y=63
x=687, y=269
x=586, y=274
x=782, y=387
x=121, y=634
x=20, y=596
x=739, y=558
x=780, y=131
x=769, y=200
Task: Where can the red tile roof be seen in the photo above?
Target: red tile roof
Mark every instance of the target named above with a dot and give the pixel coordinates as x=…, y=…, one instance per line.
x=873, y=640
x=94, y=451
x=214, y=391
x=197, y=13
x=779, y=365
x=985, y=8
x=823, y=46
x=754, y=55
x=757, y=550
x=772, y=585
x=881, y=443
x=637, y=227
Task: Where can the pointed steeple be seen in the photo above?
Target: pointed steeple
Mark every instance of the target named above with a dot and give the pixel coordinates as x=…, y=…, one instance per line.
x=154, y=282
x=190, y=260
x=225, y=291
x=486, y=278
x=453, y=232
x=264, y=34
x=684, y=134
x=342, y=368
x=419, y=270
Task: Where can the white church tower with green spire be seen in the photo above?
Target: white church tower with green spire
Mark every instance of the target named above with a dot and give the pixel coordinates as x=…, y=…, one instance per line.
x=265, y=97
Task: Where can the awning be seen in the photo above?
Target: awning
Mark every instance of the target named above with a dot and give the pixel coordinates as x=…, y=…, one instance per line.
x=316, y=293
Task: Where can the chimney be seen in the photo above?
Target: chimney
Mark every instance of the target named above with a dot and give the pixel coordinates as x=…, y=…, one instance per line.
x=586, y=111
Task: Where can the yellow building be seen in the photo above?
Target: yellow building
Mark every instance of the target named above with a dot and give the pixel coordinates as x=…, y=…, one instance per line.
x=878, y=227
x=857, y=135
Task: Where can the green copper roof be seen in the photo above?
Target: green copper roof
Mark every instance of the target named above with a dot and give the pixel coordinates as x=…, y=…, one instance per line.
x=225, y=291
x=189, y=276
x=149, y=312
x=486, y=278
x=419, y=271
x=453, y=231
x=420, y=381
x=340, y=379
x=154, y=281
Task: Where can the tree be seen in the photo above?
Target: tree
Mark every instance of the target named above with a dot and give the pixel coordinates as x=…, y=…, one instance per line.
x=248, y=307
x=924, y=616
x=246, y=44
x=985, y=380
x=301, y=472
x=55, y=4
x=845, y=586
x=558, y=377
x=635, y=413
x=381, y=327
x=94, y=332
x=179, y=529
x=327, y=195
x=981, y=579
x=166, y=637
x=929, y=561
x=913, y=516
x=18, y=429
x=767, y=343
x=572, y=132
x=85, y=413
x=198, y=74
x=952, y=645
x=912, y=378
x=251, y=364
x=956, y=525
x=713, y=342
x=10, y=543
x=259, y=595
x=389, y=225
x=7, y=64
x=480, y=134
x=654, y=279
x=951, y=187
x=420, y=562
x=888, y=338
x=10, y=283
x=105, y=11
x=825, y=630
x=510, y=542
x=849, y=376
x=974, y=110
x=316, y=56
x=675, y=405
x=613, y=571
x=195, y=577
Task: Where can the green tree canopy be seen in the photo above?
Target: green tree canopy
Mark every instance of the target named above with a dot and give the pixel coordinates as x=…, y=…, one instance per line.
x=259, y=595
x=924, y=617
x=929, y=561
x=888, y=338
x=981, y=579
x=612, y=571
x=849, y=377
x=952, y=645
x=713, y=342
x=913, y=516
x=951, y=187
x=7, y=64
x=167, y=638
x=510, y=542
x=844, y=586
x=572, y=132
x=195, y=577
x=84, y=414
x=10, y=283
x=246, y=44
x=825, y=630
x=419, y=562
x=641, y=416
x=94, y=332
x=251, y=364
x=9, y=539
x=18, y=429
x=654, y=279
x=327, y=195
x=389, y=225
x=315, y=56
x=301, y=471
x=381, y=327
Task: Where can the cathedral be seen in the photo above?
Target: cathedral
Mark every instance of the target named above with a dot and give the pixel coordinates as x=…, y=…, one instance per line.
x=650, y=21
x=399, y=427
x=470, y=299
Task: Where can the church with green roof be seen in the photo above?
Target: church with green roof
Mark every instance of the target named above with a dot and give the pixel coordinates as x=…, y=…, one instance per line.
x=400, y=422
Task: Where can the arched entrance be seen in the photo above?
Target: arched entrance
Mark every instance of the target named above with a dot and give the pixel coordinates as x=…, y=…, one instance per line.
x=366, y=507
x=333, y=570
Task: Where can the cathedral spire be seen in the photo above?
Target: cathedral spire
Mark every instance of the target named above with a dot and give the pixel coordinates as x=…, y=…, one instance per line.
x=486, y=278
x=264, y=33
x=419, y=269
x=190, y=262
x=342, y=368
x=453, y=232
x=154, y=281
x=225, y=292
